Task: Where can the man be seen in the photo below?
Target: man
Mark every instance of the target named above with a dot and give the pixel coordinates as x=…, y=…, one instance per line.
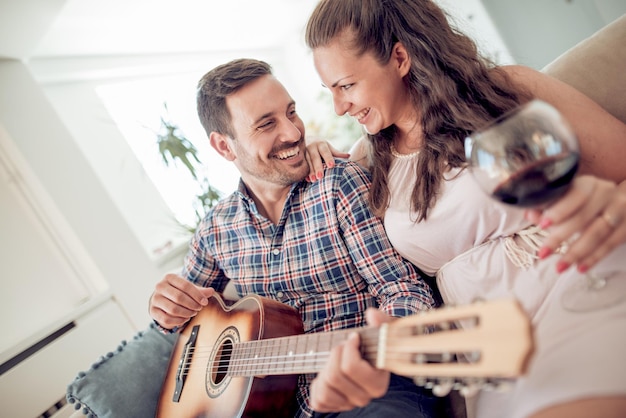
x=313, y=246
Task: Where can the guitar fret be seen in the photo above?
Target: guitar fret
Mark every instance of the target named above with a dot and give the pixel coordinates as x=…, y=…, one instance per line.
x=299, y=354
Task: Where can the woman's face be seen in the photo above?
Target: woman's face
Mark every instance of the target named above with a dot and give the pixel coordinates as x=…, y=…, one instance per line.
x=372, y=93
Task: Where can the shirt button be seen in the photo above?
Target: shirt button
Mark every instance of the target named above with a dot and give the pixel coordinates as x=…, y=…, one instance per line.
x=275, y=251
x=280, y=295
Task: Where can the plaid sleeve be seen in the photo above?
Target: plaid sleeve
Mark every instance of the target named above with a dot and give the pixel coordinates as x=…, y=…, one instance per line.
x=394, y=281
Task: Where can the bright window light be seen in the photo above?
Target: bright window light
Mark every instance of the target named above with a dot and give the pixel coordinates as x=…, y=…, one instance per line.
x=137, y=108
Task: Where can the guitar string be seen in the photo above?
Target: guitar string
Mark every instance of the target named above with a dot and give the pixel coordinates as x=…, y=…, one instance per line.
x=253, y=360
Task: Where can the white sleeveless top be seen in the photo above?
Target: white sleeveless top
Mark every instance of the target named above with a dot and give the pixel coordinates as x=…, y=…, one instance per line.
x=479, y=248
x=463, y=217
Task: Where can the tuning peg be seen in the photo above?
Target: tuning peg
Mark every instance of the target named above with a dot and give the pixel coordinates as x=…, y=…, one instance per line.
x=503, y=385
x=420, y=381
x=443, y=326
x=469, y=390
x=443, y=387
x=497, y=385
x=446, y=357
x=420, y=358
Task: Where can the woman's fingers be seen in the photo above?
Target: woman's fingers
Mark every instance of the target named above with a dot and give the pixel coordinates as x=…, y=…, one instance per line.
x=590, y=219
x=318, y=153
x=607, y=231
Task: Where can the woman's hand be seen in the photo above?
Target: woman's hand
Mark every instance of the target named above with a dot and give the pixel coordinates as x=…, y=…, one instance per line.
x=319, y=153
x=590, y=218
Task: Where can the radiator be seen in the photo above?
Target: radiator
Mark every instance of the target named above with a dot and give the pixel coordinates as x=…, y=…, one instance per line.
x=33, y=382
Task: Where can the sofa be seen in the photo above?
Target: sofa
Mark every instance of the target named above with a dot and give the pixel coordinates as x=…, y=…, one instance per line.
x=596, y=67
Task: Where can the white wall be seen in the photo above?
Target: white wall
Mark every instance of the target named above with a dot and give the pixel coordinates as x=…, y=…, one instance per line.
x=537, y=31
x=53, y=156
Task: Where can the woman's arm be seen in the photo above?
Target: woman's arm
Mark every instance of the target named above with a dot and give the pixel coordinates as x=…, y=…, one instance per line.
x=591, y=217
x=602, y=136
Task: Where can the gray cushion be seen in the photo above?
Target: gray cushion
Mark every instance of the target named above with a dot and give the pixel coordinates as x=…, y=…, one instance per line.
x=126, y=382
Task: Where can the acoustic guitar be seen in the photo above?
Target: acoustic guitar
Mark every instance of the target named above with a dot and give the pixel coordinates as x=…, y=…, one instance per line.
x=243, y=359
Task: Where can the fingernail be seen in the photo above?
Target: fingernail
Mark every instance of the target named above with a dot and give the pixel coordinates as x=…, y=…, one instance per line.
x=544, y=252
x=582, y=268
x=204, y=301
x=545, y=223
x=561, y=266
x=319, y=174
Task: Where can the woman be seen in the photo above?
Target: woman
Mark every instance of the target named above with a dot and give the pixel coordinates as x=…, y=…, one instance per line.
x=419, y=88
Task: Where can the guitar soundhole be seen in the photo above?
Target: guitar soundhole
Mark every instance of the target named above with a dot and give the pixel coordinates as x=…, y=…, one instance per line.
x=217, y=373
x=221, y=367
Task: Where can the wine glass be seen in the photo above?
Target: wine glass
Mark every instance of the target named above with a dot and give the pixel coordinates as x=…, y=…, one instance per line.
x=528, y=158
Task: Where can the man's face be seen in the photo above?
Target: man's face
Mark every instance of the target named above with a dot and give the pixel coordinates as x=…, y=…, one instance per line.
x=269, y=142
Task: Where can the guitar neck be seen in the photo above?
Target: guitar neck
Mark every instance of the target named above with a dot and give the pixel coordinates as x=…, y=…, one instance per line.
x=299, y=354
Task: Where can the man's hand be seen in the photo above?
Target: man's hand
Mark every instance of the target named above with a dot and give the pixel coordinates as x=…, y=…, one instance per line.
x=176, y=300
x=348, y=381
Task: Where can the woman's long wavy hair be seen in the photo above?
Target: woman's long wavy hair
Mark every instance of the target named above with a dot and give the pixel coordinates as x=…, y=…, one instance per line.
x=453, y=88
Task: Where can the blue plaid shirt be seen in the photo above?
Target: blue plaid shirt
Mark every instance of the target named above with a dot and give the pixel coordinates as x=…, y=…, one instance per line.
x=328, y=256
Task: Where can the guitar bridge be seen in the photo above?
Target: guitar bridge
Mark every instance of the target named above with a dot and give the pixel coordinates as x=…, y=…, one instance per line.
x=184, y=363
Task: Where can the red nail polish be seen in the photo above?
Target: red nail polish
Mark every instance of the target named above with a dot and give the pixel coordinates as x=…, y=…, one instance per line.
x=582, y=268
x=561, y=266
x=545, y=223
x=544, y=252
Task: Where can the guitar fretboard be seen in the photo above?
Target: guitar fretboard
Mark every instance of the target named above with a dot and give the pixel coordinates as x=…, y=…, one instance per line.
x=299, y=354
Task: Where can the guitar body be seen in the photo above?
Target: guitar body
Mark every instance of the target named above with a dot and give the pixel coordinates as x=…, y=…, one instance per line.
x=202, y=354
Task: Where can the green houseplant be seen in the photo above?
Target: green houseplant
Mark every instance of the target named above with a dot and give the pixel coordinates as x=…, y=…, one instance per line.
x=175, y=147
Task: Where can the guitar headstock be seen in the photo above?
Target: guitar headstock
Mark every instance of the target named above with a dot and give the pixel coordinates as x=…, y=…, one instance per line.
x=470, y=343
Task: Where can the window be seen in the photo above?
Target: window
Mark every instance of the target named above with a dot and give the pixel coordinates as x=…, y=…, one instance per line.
x=137, y=108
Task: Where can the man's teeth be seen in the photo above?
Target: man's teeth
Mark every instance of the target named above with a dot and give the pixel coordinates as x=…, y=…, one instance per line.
x=287, y=154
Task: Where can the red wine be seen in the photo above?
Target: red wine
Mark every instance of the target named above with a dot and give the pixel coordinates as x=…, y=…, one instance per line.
x=539, y=183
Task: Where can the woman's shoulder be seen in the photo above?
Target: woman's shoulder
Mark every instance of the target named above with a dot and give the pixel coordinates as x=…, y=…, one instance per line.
x=360, y=152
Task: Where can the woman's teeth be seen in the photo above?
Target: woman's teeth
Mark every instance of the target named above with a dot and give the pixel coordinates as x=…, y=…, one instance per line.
x=362, y=114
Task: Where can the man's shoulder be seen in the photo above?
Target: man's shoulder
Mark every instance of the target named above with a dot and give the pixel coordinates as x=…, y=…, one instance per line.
x=347, y=168
x=343, y=178
x=227, y=207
